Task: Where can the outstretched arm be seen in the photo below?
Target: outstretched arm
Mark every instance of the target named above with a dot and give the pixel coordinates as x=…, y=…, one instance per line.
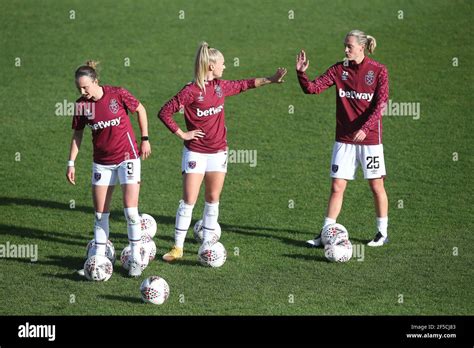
x=276, y=78
x=233, y=87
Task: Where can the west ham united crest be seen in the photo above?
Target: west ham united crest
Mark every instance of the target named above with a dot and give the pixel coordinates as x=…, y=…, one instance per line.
x=97, y=176
x=370, y=78
x=113, y=106
x=335, y=168
x=192, y=164
x=218, y=90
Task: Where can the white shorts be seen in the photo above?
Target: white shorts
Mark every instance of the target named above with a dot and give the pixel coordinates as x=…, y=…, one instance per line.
x=127, y=172
x=196, y=162
x=346, y=159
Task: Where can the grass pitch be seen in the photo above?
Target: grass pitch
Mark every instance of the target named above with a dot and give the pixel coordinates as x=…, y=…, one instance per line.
x=267, y=211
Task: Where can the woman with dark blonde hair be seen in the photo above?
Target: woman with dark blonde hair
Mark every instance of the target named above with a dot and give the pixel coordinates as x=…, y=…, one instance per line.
x=361, y=96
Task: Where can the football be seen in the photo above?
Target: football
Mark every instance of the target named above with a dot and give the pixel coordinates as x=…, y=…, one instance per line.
x=155, y=290
x=212, y=254
x=148, y=225
x=125, y=257
x=109, y=250
x=198, y=233
x=149, y=245
x=98, y=268
x=333, y=234
x=340, y=252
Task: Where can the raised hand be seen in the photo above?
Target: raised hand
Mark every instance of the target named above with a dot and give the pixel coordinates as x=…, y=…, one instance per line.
x=301, y=62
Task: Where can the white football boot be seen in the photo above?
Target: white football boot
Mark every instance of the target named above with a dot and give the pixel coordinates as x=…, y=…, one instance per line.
x=378, y=240
x=135, y=268
x=316, y=242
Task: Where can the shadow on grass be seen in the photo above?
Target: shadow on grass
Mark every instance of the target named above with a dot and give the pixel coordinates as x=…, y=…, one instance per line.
x=70, y=262
x=73, y=239
x=250, y=231
x=360, y=241
x=129, y=299
x=38, y=203
x=74, y=276
x=33, y=233
x=307, y=257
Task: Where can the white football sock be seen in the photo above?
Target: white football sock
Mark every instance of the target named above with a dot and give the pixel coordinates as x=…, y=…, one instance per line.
x=134, y=231
x=209, y=220
x=328, y=221
x=101, y=232
x=184, y=215
x=382, y=225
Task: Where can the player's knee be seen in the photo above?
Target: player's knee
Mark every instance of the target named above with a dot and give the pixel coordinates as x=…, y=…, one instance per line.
x=132, y=216
x=377, y=187
x=338, y=187
x=212, y=197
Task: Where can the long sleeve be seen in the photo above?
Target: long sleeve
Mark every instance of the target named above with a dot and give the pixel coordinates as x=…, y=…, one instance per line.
x=232, y=87
x=381, y=98
x=320, y=84
x=183, y=98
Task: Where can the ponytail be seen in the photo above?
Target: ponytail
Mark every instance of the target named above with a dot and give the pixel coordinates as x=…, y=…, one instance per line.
x=201, y=65
x=204, y=57
x=363, y=39
x=371, y=44
x=88, y=69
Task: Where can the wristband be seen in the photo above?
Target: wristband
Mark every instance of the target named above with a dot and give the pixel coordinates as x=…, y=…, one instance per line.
x=70, y=163
x=145, y=138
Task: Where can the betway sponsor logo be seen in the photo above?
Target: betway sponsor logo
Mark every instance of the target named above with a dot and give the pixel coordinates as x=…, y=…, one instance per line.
x=355, y=95
x=105, y=124
x=210, y=111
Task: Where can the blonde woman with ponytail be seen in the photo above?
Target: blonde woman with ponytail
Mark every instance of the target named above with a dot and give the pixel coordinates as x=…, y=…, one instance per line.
x=205, y=144
x=361, y=96
x=104, y=109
